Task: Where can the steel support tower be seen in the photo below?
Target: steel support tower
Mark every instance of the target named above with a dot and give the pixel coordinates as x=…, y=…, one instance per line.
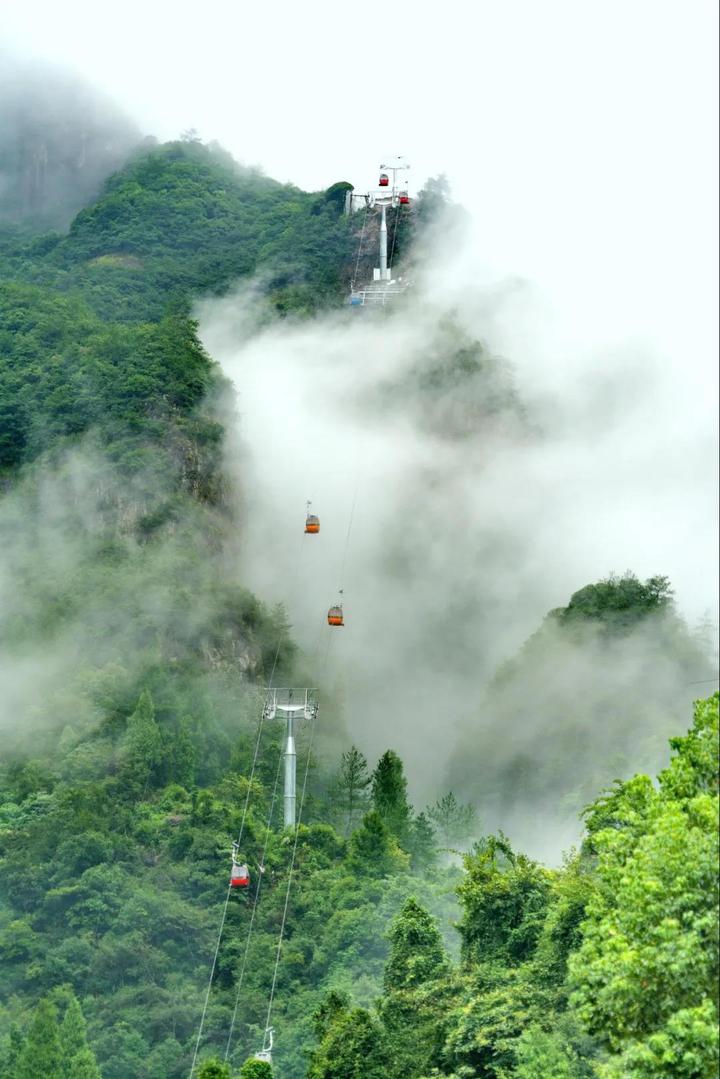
x=291, y=705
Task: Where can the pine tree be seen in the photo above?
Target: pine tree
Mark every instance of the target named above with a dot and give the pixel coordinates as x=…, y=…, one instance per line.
x=421, y=843
x=351, y=785
x=455, y=822
x=389, y=794
x=11, y=1052
x=417, y=954
x=78, y=1059
x=181, y=755
x=373, y=850
x=142, y=743
x=416, y=965
x=84, y=1066
x=41, y=1054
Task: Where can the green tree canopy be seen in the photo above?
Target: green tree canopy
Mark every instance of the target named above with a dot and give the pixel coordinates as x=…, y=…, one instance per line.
x=504, y=897
x=417, y=955
x=456, y=823
x=351, y=786
x=214, y=1068
x=77, y=1057
x=389, y=794
x=42, y=1053
x=256, y=1069
x=646, y=972
x=374, y=851
x=354, y=1047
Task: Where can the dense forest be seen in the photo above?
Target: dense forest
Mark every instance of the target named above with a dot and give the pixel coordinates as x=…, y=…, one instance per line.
x=414, y=943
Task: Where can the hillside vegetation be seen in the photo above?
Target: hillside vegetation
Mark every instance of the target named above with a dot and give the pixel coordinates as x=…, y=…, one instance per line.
x=133, y=658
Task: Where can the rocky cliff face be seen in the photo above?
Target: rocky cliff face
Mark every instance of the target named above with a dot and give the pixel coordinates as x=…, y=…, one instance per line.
x=58, y=141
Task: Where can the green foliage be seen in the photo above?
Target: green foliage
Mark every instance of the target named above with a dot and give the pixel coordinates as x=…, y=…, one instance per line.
x=416, y=955
x=389, y=794
x=618, y=602
x=420, y=843
x=115, y=830
x=183, y=219
x=333, y=1006
x=351, y=787
x=141, y=746
x=456, y=823
x=65, y=372
x=696, y=762
x=561, y=933
x=256, y=1069
x=354, y=1047
x=687, y=1048
x=646, y=972
x=42, y=1051
x=214, y=1068
x=545, y=1055
x=606, y=677
x=373, y=849
x=504, y=898
x=77, y=1058
x=417, y=963
x=337, y=193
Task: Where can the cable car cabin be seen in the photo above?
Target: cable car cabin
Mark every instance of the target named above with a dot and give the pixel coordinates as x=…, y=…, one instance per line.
x=312, y=524
x=239, y=875
x=384, y=181
x=404, y=200
x=335, y=616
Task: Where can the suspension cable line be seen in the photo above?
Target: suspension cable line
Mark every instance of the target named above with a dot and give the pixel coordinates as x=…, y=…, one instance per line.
x=212, y=973
x=241, y=976
x=239, y=840
x=357, y=261
x=392, y=249
x=229, y=890
x=349, y=530
x=266, y=841
x=288, y=889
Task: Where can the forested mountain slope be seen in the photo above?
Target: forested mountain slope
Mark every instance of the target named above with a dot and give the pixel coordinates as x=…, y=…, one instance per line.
x=593, y=690
x=132, y=659
x=183, y=219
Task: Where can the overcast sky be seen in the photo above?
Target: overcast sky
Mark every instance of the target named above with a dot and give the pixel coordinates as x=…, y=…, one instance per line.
x=581, y=134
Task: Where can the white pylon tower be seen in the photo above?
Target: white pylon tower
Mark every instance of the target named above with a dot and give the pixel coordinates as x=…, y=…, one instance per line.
x=393, y=194
x=291, y=704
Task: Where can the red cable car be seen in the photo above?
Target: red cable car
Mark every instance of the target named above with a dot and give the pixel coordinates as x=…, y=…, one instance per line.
x=404, y=200
x=312, y=524
x=384, y=181
x=335, y=616
x=239, y=875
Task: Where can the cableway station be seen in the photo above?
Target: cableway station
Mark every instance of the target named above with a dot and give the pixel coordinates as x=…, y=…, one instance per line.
x=390, y=194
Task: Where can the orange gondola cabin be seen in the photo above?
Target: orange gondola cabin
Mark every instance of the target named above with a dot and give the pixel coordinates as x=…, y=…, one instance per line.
x=335, y=616
x=312, y=524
